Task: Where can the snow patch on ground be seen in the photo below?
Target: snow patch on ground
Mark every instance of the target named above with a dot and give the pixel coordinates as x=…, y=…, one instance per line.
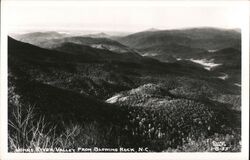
x=237, y=84
x=150, y=54
x=116, y=98
x=208, y=64
x=113, y=99
x=224, y=76
x=212, y=50
x=110, y=48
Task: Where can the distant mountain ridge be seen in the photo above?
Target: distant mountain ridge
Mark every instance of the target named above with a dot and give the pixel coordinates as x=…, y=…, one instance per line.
x=98, y=35
x=37, y=37
x=152, y=29
x=51, y=40
x=195, y=41
x=80, y=52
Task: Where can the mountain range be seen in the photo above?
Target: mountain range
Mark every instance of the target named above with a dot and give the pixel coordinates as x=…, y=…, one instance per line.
x=185, y=43
x=154, y=88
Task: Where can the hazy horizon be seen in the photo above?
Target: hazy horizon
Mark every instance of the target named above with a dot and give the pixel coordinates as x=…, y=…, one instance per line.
x=118, y=17
x=114, y=33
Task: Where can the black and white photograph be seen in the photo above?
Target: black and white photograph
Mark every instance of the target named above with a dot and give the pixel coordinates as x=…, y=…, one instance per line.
x=116, y=77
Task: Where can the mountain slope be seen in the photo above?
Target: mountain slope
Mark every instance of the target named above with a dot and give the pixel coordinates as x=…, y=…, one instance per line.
x=230, y=59
x=164, y=116
x=187, y=42
x=81, y=52
x=52, y=40
x=85, y=73
x=152, y=101
x=37, y=37
x=194, y=37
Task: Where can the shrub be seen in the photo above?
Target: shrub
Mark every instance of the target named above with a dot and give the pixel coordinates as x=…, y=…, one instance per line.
x=25, y=132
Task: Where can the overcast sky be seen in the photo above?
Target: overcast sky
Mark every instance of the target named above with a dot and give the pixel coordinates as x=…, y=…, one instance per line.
x=128, y=17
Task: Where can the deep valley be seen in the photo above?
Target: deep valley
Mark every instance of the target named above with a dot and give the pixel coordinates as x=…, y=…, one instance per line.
x=168, y=90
